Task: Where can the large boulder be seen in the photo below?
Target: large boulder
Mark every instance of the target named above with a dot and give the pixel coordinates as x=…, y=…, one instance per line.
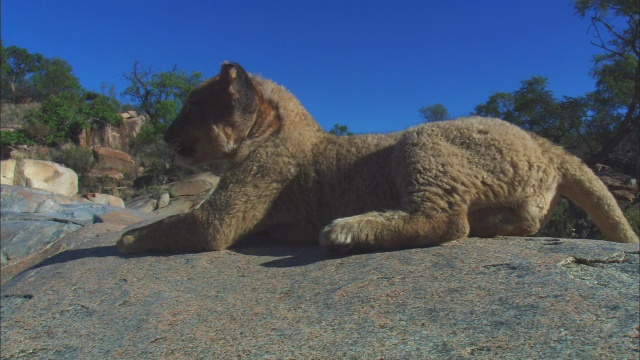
x=111, y=159
x=474, y=299
x=39, y=174
x=7, y=171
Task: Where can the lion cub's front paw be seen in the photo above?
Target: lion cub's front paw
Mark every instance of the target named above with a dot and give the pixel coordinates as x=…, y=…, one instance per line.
x=337, y=237
x=129, y=242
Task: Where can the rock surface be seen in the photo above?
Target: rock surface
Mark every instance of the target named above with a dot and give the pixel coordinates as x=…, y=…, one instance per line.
x=105, y=199
x=193, y=185
x=489, y=298
x=34, y=220
x=144, y=204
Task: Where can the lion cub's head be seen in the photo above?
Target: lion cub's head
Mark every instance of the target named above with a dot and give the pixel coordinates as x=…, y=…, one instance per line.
x=218, y=118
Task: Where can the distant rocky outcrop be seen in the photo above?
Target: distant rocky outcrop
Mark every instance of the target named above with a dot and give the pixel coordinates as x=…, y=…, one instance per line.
x=39, y=174
x=114, y=137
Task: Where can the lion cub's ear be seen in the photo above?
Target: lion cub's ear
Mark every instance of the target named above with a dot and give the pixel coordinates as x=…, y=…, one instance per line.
x=243, y=93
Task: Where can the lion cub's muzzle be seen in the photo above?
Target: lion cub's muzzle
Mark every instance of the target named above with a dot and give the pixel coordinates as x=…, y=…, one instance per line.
x=177, y=146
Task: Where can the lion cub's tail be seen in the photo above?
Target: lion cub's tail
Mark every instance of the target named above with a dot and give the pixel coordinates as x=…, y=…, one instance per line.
x=586, y=190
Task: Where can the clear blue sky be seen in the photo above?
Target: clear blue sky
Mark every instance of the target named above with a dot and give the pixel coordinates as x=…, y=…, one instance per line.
x=367, y=64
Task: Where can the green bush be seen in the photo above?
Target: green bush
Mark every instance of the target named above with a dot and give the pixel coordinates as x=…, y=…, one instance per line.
x=12, y=138
x=56, y=121
x=76, y=158
x=62, y=117
x=561, y=224
x=633, y=215
x=148, y=136
x=158, y=160
x=101, y=109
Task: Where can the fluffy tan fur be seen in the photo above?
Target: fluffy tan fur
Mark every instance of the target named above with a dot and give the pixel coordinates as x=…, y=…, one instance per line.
x=423, y=186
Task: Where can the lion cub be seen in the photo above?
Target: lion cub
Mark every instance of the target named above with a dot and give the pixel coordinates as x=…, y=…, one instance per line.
x=423, y=186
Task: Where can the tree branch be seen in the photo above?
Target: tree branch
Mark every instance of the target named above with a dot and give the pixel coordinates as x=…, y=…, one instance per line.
x=594, y=21
x=624, y=128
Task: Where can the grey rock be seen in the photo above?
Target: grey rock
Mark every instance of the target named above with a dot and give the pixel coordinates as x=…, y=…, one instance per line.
x=144, y=205
x=20, y=238
x=477, y=298
x=22, y=199
x=163, y=200
x=32, y=220
x=193, y=185
x=105, y=199
x=178, y=205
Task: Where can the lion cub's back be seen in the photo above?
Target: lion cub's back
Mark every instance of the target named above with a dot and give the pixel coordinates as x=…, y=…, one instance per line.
x=479, y=137
x=467, y=155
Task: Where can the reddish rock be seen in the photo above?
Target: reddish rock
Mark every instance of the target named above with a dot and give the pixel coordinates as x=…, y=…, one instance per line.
x=624, y=195
x=110, y=159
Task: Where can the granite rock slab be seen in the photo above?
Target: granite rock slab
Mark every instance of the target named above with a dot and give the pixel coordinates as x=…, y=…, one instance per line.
x=472, y=299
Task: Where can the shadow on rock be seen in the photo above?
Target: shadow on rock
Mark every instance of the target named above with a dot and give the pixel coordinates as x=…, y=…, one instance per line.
x=77, y=254
x=288, y=255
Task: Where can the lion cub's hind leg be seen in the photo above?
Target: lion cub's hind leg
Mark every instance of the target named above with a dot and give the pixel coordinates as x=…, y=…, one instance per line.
x=523, y=218
x=392, y=230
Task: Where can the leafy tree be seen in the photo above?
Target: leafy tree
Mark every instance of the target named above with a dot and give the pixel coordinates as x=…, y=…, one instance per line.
x=436, y=112
x=581, y=124
x=101, y=109
x=340, y=130
x=4, y=72
x=500, y=105
x=617, y=71
x=54, y=77
x=32, y=77
x=532, y=107
x=17, y=66
x=56, y=120
x=160, y=95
